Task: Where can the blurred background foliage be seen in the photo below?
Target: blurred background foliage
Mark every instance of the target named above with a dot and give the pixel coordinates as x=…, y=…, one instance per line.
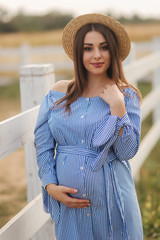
x=148, y=184
x=29, y=23
x=53, y=20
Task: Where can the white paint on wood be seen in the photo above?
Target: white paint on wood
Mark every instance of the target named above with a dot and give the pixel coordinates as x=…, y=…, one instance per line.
x=146, y=147
x=35, y=82
x=17, y=131
x=156, y=78
x=25, y=52
x=132, y=55
x=36, y=69
x=139, y=68
x=150, y=102
x=26, y=223
x=145, y=46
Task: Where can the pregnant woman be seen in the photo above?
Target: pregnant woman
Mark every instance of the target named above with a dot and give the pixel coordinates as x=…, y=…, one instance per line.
x=87, y=130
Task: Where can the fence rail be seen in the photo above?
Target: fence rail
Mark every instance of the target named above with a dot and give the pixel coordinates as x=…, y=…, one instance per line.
x=28, y=221
x=25, y=54
x=11, y=139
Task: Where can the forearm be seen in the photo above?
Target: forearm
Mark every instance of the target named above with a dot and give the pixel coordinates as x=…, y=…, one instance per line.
x=119, y=110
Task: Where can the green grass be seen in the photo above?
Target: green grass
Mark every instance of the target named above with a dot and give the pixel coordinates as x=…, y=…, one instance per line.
x=11, y=91
x=148, y=186
x=145, y=88
x=148, y=189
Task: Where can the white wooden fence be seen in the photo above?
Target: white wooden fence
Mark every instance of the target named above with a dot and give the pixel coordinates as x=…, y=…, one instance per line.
x=26, y=54
x=35, y=81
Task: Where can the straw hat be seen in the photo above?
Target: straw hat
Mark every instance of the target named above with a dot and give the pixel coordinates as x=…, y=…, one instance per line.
x=75, y=24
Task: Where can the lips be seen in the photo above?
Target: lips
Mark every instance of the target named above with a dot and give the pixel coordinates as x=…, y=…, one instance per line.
x=97, y=64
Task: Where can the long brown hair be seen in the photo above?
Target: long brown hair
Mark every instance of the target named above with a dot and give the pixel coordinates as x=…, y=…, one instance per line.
x=115, y=70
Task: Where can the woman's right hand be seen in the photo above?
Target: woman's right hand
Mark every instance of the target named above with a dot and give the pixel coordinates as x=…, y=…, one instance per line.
x=60, y=193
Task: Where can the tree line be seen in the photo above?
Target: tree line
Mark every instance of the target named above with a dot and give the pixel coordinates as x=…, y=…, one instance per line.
x=22, y=22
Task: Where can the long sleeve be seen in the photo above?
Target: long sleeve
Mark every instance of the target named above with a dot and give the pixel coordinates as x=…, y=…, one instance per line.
x=44, y=143
x=126, y=145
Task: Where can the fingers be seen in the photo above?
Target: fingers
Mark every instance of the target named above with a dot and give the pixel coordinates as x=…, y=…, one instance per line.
x=69, y=190
x=77, y=203
x=69, y=201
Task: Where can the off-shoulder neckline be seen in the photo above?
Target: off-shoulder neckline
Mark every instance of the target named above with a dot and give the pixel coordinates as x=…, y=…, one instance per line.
x=63, y=93
x=87, y=98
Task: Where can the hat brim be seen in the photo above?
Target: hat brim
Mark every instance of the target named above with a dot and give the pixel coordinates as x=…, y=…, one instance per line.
x=75, y=24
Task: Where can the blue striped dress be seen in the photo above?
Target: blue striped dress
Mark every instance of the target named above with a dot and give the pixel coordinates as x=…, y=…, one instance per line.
x=84, y=151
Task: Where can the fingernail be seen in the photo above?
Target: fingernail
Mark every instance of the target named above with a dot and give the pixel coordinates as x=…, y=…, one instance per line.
x=75, y=190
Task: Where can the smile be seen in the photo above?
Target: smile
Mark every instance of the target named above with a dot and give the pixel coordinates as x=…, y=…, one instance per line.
x=98, y=64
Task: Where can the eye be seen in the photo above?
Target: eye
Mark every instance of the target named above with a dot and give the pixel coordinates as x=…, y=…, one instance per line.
x=88, y=49
x=104, y=47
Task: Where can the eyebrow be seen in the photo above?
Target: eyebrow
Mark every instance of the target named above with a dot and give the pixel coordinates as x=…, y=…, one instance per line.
x=91, y=44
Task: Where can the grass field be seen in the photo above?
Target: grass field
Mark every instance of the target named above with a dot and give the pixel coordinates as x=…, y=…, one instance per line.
x=13, y=185
x=137, y=32
x=148, y=186
x=34, y=39
x=148, y=189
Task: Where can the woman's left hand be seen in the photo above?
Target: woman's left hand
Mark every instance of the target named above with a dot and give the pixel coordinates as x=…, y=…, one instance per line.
x=114, y=97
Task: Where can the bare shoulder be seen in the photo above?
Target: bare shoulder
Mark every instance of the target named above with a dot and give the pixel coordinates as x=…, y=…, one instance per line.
x=61, y=85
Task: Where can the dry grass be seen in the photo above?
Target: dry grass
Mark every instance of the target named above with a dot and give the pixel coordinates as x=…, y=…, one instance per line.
x=34, y=39
x=137, y=32
x=143, y=32
x=9, y=108
x=12, y=168
x=12, y=174
x=13, y=186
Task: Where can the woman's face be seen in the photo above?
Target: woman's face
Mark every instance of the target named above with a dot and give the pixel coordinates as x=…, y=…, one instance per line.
x=96, y=56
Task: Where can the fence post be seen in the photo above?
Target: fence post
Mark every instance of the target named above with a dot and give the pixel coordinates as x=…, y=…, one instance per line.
x=35, y=82
x=25, y=53
x=131, y=57
x=156, y=78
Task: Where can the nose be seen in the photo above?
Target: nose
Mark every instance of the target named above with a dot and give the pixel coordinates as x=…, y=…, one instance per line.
x=97, y=54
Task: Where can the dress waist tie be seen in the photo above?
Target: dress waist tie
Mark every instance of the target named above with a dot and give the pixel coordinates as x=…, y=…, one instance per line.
x=108, y=170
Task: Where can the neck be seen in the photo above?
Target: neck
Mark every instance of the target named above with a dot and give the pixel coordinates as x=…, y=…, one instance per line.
x=96, y=81
x=95, y=84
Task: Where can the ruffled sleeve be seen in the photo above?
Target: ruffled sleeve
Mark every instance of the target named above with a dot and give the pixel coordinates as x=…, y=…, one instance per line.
x=126, y=145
